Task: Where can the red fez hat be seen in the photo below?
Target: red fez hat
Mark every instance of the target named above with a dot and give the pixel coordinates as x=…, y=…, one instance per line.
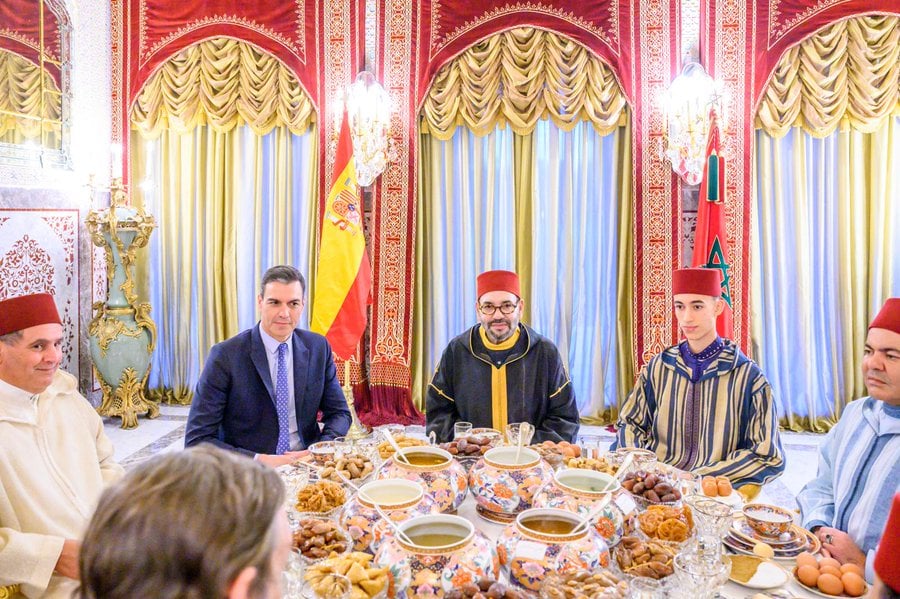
x=889, y=316
x=498, y=280
x=702, y=281
x=887, y=566
x=18, y=313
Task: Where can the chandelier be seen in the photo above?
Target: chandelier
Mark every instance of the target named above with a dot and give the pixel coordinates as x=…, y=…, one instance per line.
x=687, y=106
x=368, y=110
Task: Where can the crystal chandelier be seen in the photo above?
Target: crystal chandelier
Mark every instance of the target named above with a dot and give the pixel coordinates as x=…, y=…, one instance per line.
x=368, y=109
x=687, y=105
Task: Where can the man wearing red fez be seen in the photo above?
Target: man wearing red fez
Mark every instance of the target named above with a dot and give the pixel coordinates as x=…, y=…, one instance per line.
x=702, y=405
x=55, y=458
x=501, y=371
x=847, y=504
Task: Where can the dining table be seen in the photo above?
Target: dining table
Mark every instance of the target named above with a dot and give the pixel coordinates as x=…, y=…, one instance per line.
x=790, y=589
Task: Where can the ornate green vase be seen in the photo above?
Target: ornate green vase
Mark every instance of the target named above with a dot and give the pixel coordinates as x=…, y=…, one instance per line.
x=122, y=335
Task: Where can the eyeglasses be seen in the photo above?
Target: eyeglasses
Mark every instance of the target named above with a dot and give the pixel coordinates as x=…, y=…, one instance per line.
x=505, y=308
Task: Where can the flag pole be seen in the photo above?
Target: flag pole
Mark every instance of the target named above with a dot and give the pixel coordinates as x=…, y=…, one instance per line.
x=357, y=429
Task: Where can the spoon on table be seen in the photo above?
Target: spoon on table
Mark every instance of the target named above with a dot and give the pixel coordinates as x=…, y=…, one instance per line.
x=595, y=511
x=620, y=473
x=378, y=508
x=393, y=443
x=396, y=527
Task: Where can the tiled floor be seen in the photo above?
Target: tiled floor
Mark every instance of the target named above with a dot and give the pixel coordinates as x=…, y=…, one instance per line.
x=166, y=433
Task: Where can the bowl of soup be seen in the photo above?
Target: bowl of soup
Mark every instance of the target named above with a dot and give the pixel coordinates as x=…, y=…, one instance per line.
x=505, y=480
x=546, y=540
x=578, y=490
x=443, y=477
x=441, y=552
x=400, y=499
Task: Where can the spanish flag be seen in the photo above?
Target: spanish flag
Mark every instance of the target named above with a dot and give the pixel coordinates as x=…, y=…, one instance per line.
x=344, y=275
x=710, y=246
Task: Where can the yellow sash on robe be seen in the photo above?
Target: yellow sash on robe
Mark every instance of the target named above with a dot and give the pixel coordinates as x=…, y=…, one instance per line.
x=499, y=415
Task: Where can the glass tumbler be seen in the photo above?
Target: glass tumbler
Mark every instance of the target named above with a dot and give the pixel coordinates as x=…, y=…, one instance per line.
x=461, y=429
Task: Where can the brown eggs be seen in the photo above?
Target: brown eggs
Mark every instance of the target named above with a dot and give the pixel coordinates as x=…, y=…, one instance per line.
x=830, y=584
x=807, y=559
x=854, y=585
x=829, y=561
x=829, y=576
x=808, y=575
x=852, y=568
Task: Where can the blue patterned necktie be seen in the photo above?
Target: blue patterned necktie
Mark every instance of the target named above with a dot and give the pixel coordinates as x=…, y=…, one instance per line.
x=282, y=400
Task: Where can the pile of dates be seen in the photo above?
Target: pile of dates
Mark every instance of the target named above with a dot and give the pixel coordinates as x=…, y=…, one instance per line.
x=485, y=588
x=472, y=446
x=652, y=487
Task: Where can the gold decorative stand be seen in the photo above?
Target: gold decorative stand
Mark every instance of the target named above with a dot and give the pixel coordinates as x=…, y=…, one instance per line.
x=357, y=430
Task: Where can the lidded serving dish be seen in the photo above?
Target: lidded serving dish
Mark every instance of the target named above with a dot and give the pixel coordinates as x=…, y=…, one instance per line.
x=546, y=540
x=400, y=499
x=443, y=477
x=446, y=553
x=503, y=485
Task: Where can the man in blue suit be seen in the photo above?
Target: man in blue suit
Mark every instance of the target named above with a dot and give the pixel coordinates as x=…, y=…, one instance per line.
x=260, y=391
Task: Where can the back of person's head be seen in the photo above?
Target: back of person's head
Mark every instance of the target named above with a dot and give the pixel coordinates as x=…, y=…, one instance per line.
x=184, y=525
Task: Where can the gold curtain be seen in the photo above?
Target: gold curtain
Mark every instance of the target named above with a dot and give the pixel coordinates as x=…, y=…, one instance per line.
x=21, y=84
x=202, y=118
x=518, y=77
x=847, y=74
x=224, y=83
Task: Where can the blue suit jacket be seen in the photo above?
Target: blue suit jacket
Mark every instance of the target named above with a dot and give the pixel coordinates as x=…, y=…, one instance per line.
x=234, y=405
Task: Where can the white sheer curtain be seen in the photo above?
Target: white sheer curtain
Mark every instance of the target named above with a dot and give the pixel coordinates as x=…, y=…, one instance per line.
x=575, y=255
x=825, y=256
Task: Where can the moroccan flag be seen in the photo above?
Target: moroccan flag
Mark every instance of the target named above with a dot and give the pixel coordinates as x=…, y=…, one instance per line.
x=710, y=249
x=344, y=275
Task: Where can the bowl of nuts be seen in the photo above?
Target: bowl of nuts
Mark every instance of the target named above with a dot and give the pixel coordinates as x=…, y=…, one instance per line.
x=316, y=538
x=599, y=584
x=354, y=467
x=485, y=588
x=646, y=558
x=322, y=451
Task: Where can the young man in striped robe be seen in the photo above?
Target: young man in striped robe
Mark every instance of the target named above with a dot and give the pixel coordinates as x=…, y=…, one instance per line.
x=702, y=405
x=847, y=504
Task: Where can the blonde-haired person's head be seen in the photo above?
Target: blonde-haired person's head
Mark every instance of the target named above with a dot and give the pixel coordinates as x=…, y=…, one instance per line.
x=196, y=524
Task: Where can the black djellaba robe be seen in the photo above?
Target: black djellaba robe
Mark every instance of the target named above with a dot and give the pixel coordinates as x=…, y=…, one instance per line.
x=468, y=386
